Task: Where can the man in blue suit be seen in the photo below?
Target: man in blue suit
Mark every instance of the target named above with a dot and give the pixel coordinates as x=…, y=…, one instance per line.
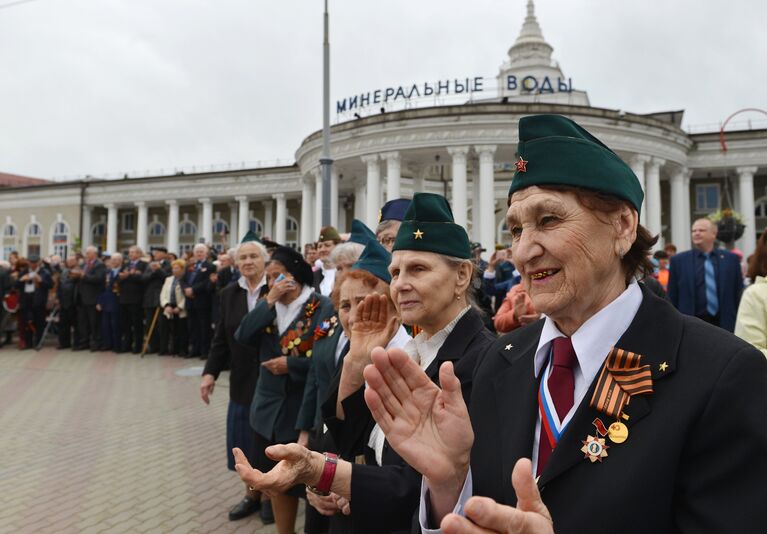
x=706, y=282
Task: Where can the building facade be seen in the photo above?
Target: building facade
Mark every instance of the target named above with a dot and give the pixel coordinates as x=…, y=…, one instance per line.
x=464, y=151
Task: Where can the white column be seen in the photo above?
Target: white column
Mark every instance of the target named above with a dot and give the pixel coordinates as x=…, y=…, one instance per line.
x=341, y=215
x=360, y=199
x=334, y=197
x=393, y=174
x=282, y=217
x=317, y=200
x=460, y=201
x=207, y=220
x=475, y=207
x=307, y=219
x=85, y=231
x=141, y=226
x=637, y=164
x=234, y=230
x=746, y=190
x=243, y=217
x=269, y=220
x=486, y=196
x=653, y=198
x=736, y=196
x=418, y=183
x=172, y=229
x=679, y=227
x=687, y=241
x=373, y=195
x=111, y=227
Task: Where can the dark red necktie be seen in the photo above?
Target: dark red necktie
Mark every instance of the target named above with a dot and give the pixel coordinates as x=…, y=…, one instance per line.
x=561, y=384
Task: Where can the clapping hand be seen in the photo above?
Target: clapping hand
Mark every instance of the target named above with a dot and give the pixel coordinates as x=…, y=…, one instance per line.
x=295, y=466
x=429, y=427
x=485, y=515
x=375, y=324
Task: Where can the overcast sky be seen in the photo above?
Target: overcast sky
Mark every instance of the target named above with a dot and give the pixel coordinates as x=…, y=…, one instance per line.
x=112, y=86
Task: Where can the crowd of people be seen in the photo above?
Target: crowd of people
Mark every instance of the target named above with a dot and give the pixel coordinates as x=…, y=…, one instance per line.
x=396, y=381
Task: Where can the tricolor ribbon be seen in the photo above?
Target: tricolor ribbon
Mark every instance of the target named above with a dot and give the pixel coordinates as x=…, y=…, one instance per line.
x=553, y=427
x=621, y=377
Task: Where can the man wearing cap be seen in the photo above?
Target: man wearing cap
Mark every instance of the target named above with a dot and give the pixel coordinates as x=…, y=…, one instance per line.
x=614, y=411
x=390, y=220
x=153, y=279
x=325, y=275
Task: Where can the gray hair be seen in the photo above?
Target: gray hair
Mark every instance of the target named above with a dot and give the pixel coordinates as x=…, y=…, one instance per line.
x=199, y=246
x=348, y=251
x=475, y=283
x=235, y=251
x=385, y=224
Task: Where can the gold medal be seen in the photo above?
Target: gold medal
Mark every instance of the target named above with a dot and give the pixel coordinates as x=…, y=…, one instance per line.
x=618, y=432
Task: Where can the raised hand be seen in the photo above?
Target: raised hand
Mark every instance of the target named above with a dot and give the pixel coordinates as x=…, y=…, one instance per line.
x=485, y=515
x=429, y=427
x=374, y=324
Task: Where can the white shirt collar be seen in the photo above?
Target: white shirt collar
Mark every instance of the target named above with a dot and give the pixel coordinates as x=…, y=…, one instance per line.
x=424, y=350
x=594, y=339
x=286, y=313
x=251, y=295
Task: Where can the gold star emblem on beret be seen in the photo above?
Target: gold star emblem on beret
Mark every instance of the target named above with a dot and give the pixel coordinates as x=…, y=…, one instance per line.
x=663, y=366
x=418, y=234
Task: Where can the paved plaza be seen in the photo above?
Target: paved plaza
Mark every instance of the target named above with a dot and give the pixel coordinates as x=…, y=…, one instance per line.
x=99, y=442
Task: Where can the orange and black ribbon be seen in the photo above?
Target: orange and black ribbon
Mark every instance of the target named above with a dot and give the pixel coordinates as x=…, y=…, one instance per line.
x=622, y=376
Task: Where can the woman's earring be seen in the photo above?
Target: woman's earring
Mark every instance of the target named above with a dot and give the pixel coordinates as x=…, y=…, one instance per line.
x=458, y=297
x=621, y=254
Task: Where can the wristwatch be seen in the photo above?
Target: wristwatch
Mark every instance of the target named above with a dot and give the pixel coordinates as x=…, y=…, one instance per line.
x=328, y=473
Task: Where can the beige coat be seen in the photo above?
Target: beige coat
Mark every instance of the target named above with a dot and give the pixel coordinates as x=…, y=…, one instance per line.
x=165, y=297
x=751, y=324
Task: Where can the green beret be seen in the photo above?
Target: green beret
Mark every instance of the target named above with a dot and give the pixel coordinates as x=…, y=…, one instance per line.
x=429, y=226
x=361, y=233
x=329, y=233
x=554, y=150
x=375, y=259
x=250, y=236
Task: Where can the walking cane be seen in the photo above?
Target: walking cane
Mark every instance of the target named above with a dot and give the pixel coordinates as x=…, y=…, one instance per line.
x=150, y=331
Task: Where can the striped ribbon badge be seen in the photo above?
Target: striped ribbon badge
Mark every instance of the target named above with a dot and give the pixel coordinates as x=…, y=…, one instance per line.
x=622, y=376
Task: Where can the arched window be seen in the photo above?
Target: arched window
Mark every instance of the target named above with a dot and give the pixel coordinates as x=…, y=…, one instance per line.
x=99, y=230
x=291, y=224
x=60, y=239
x=220, y=227
x=156, y=229
x=9, y=230
x=187, y=228
x=34, y=230
x=256, y=227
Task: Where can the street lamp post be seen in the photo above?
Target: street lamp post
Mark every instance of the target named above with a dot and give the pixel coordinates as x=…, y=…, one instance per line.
x=326, y=164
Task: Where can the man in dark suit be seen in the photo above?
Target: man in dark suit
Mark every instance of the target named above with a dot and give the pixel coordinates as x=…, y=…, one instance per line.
x=153, y=278
x=65, y=297
x=706, y=282
x=33, y=286
x=131, y=299
x=5, y=286
x=199, y=293
x=92, y=277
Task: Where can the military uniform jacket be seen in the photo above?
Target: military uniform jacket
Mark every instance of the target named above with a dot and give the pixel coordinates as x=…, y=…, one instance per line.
x=278, y=398
x=384, y=498
x=226, y=351
x=694, y=459
x=321, y=373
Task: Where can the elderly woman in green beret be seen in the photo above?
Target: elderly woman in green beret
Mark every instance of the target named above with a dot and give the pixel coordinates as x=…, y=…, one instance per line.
x=431, y=273
x=614, y=411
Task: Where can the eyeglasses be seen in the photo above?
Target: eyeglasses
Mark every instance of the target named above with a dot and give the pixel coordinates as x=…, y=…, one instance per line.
x=387, y=241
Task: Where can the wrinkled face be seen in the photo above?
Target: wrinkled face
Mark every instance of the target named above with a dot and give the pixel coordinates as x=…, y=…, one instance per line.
x=115, y=262
x=224, y=261
x=343, y=265
x=200, y=254
x=324, y=248
x=388, y=235
x=703, y=234
x=563, y=251
x=275, y=269
x=351, y=294
x=90, y=254
x=249, y=261
x=178, y=271
x=423, y=286
x=134, y=254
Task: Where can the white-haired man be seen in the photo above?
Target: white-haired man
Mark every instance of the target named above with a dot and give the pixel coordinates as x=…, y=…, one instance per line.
x=199, y=293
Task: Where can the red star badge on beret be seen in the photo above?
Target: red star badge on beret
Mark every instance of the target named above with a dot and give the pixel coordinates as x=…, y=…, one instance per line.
x=521, y=165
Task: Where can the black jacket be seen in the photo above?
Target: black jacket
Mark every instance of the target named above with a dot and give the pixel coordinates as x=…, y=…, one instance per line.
x=67, y=289
x=694, y=459
x=92, y=283
x=153, y=281
x=132, y=287
x=202, y=287
x=39, y=297
x=226, y=352
x=385, y=498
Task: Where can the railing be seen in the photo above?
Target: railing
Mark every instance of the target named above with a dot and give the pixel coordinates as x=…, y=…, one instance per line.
x=714, y=127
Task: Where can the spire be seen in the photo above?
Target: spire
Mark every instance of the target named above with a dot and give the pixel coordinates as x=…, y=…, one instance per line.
x=530, y=47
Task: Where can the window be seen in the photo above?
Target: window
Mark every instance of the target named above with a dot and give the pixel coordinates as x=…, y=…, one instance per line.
x=129, y=222
x=291, y=225
x=188, y=228
x=34, y=230
x=9, y=230
x=706, y=197
x=33, y=250
x=220, y=228
x=7, y=250
x=256, y=227
x=156, y=229
x=185, y=247
x=60, y=239
x=99, y=230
